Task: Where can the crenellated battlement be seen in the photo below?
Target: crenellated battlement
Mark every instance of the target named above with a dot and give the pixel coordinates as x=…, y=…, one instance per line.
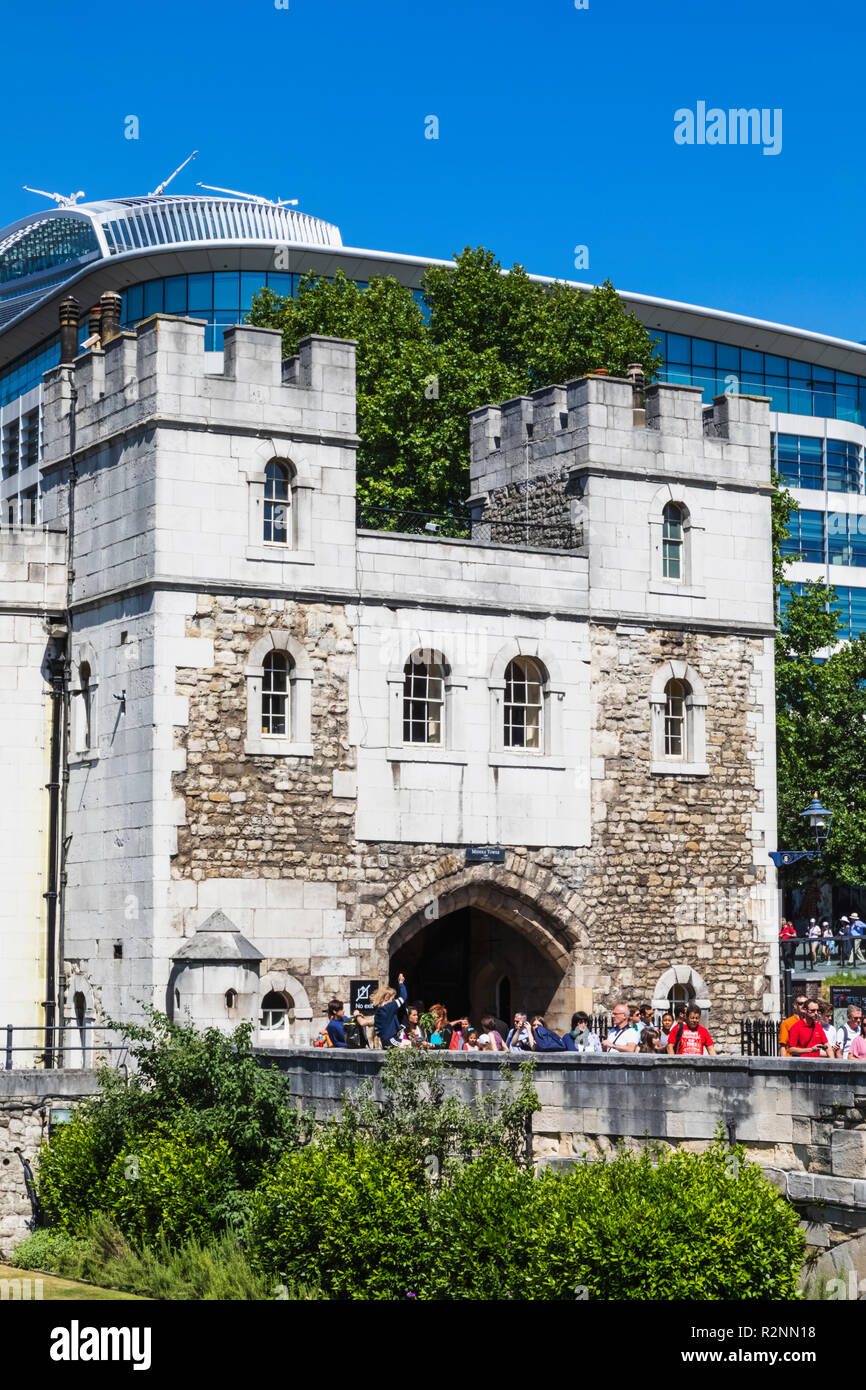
x=599, y=421
x=161, y=373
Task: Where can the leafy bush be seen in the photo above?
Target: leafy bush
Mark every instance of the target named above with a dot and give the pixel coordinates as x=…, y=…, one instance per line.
x=353, y=1223
x=419, y=1121
x=168, y=1186
x=221, y=1117
x=654, y=1226
x=213, y=1271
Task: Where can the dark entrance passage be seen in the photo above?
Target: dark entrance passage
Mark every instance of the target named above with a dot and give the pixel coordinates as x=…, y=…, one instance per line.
x=475, y=964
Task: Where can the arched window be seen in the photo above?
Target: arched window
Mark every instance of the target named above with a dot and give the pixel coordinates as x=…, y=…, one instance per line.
x=678, y=703
x=275, y=1012
x=231, y=998
x=676, y=720
x=523, y=705
x=680, y=994
x=83, y=733
x=424, y=698
x=276, y=681
x=279, y=678
x=673, y=542
x=86, y=706
x=278, y=497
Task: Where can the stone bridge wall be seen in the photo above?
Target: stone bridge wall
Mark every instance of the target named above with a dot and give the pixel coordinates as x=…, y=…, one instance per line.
x=804, y=1122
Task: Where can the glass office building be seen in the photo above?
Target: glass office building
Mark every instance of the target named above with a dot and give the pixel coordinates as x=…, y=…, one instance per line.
x=207, y=256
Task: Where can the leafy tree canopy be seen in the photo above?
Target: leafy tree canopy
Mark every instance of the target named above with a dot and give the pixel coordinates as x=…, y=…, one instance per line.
x=482, y=337
x=820, y=719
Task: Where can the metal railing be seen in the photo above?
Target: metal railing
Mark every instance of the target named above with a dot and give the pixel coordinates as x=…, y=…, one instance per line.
x=458, y=525
x=843, y=950
x=70, y=1045
x=759, y=1037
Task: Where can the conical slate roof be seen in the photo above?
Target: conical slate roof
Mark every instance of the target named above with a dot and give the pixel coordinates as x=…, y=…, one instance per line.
x=218, y=940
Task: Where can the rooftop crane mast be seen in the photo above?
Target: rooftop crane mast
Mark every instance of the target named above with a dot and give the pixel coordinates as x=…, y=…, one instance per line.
x=160, y=189
x=253, y=197
x=63, y=200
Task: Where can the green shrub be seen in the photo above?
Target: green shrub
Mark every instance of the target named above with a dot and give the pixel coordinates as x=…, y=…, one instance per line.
x=71, y=1171
x=213, y=1271
x=47, y=1250
x=419, y=1120
x=496, y=1235
x=658, y=1226
x=167, y=1186
x=352, y=1223
x=205, y=1088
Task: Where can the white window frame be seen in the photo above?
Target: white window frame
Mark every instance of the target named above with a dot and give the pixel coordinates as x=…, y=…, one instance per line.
x=297, y=548
x=680, y=543
x=693, y=763
x=550, y=755
x=690, y=583
x=298, y=740
x=450, y=748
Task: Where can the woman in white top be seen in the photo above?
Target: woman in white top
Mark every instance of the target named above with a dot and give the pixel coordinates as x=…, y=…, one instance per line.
x=814, y=939
x=827, y=935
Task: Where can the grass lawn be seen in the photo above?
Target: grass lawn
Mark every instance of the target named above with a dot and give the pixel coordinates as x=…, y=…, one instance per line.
x=54, y=1288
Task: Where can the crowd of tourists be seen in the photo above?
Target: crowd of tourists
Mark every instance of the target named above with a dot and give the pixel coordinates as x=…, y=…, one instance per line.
x=810, y=1032
x=822, y=943
x=397, y=1023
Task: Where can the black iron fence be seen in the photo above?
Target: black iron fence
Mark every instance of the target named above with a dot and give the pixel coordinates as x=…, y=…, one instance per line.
x=75, y=1045
x=459, y=525
x=759, y=1037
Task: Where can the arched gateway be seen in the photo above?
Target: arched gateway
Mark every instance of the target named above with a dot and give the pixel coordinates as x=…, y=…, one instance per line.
x=476, y=939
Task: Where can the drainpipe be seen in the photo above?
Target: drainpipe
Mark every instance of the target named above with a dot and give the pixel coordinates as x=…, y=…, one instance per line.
x=57, y=939
x=57, y=671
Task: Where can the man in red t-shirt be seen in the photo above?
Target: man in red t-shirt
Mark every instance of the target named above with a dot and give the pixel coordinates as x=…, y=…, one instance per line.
x=690, y=1039
x=807, y=1038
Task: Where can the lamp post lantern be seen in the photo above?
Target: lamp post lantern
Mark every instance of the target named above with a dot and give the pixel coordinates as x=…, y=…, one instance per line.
x=819, y=820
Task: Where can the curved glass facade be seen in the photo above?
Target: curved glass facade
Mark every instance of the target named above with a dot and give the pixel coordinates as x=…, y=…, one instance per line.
x=221, y=298
x=56, y=241
x=798, y=388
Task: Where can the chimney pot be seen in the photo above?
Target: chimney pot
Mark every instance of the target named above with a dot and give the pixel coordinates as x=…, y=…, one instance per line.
x=111, y=308
x=70, y=312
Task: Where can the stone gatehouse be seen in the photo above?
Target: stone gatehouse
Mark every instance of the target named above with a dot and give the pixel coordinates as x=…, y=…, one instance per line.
x=287, y=735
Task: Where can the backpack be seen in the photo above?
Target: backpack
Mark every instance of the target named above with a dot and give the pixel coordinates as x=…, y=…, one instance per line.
x=456, y=1044
x=354, y=1034
x=548, y=1041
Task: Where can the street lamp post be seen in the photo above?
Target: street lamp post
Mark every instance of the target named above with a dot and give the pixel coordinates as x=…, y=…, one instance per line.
x=818, y=819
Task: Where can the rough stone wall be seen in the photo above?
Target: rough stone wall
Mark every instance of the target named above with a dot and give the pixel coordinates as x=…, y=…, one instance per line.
x=619, y=914
x=26, y=1098
x=268, y=815
x=674, y=845
x=537, y=512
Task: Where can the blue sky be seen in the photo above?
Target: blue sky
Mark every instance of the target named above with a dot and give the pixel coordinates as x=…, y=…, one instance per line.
x=555, y=130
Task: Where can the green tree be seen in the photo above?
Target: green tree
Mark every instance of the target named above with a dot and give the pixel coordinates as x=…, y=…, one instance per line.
x=820, y=718
x=191, y=1092
x=485, y=336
